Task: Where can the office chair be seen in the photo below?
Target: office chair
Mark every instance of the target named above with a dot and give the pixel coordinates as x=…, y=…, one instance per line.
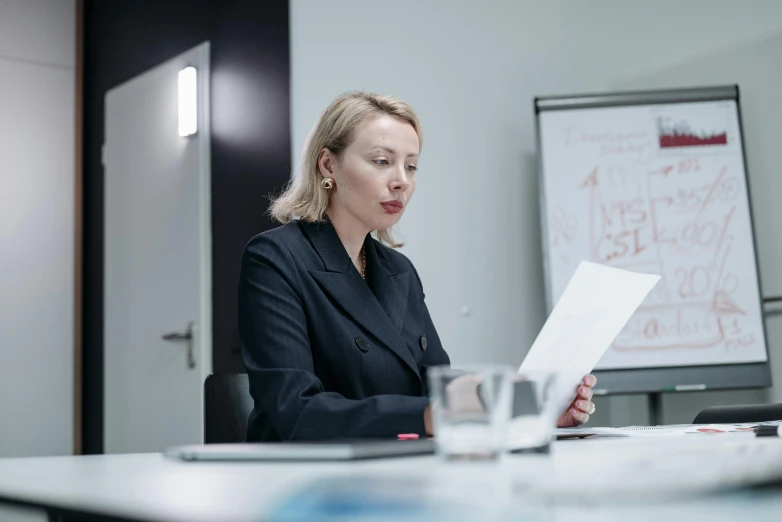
x=739, y=414
x=227, y=406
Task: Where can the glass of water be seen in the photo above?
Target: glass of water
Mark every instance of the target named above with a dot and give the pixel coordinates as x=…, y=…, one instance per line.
x=471, y=407
x=533, y=415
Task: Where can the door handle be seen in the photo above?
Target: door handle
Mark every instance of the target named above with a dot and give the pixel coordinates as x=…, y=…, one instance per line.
x=187, y=335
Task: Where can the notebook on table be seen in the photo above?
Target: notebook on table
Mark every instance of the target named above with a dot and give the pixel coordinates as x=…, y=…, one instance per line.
x=302, y=451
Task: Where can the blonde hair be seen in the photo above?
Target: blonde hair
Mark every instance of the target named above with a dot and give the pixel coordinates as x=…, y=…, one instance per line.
x=304, y=197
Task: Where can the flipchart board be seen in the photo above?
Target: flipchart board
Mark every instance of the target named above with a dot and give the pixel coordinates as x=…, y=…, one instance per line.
x=656, y=182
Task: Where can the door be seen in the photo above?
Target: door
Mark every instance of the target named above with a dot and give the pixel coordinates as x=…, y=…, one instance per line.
x=157, y=253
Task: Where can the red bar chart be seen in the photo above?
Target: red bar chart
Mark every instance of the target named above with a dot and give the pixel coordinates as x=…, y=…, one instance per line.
x=681, y=134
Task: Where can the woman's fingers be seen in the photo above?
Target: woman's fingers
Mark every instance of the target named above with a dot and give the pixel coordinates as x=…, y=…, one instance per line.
x=584, y=392
x=581, y=407
x=587, y=407
x=579, y=416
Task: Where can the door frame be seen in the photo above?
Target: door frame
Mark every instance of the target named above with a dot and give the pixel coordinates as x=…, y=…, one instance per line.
x=204, y=135
x=78, y=237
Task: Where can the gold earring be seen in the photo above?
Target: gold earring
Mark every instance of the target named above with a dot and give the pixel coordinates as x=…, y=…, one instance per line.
x=327, y=183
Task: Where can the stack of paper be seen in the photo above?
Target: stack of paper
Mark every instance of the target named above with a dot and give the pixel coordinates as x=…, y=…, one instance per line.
x=658, y=431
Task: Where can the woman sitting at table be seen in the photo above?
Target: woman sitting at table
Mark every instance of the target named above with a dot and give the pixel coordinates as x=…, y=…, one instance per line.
x=336, y=337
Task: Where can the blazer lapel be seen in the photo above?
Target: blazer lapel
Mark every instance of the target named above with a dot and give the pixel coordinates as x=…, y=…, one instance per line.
x=382, y=315
x=389, y=287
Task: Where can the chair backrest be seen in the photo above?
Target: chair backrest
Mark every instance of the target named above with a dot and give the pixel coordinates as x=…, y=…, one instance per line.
x=227, y=406
x=739, y=414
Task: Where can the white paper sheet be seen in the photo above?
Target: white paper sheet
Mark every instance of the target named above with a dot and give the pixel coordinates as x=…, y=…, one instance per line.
x=595, y=306
x=664, y=430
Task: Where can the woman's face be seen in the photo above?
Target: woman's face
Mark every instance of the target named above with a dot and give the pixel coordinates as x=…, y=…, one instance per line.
x=375, y=175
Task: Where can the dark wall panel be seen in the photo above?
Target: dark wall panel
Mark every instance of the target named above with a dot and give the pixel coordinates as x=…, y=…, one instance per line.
x=251, y=146
x=250, y=60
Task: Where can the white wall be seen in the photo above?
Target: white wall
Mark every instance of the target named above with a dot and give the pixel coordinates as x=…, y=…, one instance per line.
x=37, y=75
x=471, y=69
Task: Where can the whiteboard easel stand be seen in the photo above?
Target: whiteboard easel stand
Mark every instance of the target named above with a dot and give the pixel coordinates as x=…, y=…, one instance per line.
x=655, y=403
x=653, y=381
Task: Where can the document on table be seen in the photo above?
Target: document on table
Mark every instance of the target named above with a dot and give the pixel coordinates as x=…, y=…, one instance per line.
x=595, y=306
x=660, y=431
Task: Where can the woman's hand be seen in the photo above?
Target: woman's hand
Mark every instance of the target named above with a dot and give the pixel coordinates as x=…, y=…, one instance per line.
x=582, y=406
x=428, y=427
x=462, y=394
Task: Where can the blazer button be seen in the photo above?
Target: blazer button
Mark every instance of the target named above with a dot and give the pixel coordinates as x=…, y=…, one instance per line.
x=422, y=342
x=362, y=344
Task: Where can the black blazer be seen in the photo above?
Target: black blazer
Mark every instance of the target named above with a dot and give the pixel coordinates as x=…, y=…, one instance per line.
x=328, y=354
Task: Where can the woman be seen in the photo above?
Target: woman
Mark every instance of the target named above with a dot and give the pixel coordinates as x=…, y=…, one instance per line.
x=336, y=337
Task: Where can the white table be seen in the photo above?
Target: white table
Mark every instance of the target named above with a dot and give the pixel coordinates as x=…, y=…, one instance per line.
x=148, y=487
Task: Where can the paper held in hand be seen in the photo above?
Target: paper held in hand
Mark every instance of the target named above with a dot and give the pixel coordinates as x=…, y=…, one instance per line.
x=595, y=306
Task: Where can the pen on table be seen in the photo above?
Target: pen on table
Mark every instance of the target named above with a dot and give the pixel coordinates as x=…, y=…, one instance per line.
x=768, y=431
